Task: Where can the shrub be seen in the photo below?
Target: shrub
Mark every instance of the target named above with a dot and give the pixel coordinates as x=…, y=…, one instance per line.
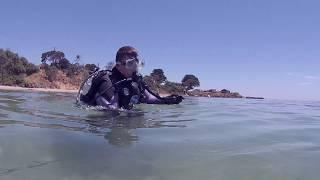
x=13, y=68
x=173, y=88
x=63, y=64
x=51, y=73
x=74, y=69
x=31, y=68
x=90, y=67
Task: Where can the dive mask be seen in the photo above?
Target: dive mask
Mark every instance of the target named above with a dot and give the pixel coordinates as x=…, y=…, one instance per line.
x=133, y=64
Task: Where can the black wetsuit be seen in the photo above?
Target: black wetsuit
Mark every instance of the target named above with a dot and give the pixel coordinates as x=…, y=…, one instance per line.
x=116, y=91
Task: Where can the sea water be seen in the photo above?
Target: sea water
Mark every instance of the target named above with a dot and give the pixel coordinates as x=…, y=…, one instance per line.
x=46, y=136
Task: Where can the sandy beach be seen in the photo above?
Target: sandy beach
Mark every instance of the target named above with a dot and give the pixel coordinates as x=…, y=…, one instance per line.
x=16, y=88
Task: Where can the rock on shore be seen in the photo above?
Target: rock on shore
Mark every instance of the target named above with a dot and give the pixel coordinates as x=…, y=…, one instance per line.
x=214, y=93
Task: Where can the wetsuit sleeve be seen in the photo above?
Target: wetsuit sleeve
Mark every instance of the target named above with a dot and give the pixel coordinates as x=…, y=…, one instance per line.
x=106, y=90
x=106, y=95
x=151, y=98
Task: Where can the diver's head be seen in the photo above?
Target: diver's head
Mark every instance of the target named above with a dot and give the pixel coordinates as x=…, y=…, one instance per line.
x=127, y=61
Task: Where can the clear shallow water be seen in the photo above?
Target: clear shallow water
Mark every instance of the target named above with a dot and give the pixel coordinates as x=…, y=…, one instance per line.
x=45, y=136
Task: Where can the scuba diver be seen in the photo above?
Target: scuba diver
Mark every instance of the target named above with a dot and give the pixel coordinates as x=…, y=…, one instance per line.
x=122, y=87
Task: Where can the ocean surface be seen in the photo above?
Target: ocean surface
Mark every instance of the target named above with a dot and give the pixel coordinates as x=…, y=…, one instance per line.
x=45, y=136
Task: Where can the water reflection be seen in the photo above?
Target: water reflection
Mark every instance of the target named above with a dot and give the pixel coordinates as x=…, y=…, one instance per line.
x=117, y=128
x=10, y=103
x=121, y=137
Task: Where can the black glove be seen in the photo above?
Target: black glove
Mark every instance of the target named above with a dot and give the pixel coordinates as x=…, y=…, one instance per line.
x=173, y=99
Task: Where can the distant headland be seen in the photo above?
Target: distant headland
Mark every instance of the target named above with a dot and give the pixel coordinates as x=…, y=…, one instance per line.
x=56, y=73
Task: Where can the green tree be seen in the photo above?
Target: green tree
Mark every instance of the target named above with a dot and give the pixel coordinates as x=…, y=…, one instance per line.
x=56, y=58
x=63, y=64
x=14, y=68
x=190, y=81
x=52, y=57
x=158, y=76
x=31, y=68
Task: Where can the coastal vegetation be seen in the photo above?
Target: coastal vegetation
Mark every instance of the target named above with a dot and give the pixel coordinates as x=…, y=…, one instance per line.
x=58, y=72
x=14, y=69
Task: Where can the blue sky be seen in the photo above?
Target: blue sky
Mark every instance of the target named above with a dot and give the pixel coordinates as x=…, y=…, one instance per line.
x=257, y=47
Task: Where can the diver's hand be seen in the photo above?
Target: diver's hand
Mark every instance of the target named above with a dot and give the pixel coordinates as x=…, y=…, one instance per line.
x=173, y=99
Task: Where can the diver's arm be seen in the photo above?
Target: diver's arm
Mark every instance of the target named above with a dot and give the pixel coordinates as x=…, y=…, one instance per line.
x=102, y=101
x=151, y=98
x=106, y=97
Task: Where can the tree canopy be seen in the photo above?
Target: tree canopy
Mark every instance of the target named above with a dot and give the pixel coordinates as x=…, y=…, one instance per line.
x=158, y=76
x=91, y=67
x=190, y=81
x=52, y=57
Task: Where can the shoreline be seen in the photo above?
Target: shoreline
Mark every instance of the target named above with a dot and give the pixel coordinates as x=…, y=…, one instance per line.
x=74, y=91
x=17, y=88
